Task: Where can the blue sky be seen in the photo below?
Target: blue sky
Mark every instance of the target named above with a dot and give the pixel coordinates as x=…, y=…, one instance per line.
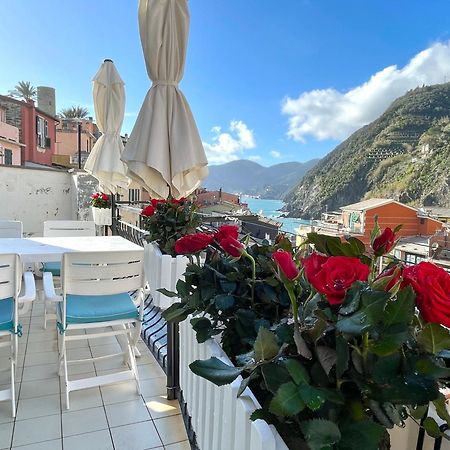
x=272, y=81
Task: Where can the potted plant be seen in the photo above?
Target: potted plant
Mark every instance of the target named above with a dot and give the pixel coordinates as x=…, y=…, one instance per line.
x=165, y=222
x=101, y=208
x=336, y=353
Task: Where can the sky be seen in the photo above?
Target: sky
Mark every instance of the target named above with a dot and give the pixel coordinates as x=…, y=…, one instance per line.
x=271, y=81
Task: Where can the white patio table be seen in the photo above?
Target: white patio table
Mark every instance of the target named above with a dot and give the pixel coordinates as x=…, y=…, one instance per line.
x=49, y=249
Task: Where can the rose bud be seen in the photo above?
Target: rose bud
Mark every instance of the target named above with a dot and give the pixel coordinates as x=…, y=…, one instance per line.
x=232, y=246
x=384, y=243
x=286, y=264
x=193, y=243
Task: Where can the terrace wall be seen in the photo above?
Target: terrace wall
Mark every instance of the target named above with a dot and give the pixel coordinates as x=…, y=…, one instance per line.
x=33, y=195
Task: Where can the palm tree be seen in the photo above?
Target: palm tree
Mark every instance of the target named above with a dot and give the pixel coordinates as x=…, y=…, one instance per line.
x=24, y=90
x=74, y=112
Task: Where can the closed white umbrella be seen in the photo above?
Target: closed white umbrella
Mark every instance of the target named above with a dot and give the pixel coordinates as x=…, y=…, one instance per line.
x=104, y=161
x=164, y=153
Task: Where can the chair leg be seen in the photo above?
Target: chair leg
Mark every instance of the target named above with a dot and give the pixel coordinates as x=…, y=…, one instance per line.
x=133, y=365
x=66, y=373
x=13, y=373
x=45, y=314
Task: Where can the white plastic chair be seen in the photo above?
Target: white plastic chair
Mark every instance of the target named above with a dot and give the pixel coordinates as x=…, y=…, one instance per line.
x=95, y=295
x=62, y=228
x=11, y=229
x=10, y=286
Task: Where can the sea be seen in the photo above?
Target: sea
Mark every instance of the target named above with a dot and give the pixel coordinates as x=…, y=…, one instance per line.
x=272, y=209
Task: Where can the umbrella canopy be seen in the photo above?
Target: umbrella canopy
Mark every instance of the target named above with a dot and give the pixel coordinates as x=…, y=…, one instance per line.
x=164, y=153
x=109, y=102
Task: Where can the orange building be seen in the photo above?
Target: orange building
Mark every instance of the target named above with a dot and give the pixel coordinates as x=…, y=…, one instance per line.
x=359, y=218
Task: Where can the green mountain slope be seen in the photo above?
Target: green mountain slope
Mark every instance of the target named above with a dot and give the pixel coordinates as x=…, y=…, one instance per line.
x=404, y=154
x=249, y=177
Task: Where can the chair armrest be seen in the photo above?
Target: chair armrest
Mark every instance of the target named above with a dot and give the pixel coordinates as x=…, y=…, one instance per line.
x=29, y=285
x=49, y=288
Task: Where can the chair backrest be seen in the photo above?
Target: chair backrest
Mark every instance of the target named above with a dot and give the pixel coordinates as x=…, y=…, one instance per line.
x=10, y=277
x=68, y=228
x=102, y=273
x=11, y=229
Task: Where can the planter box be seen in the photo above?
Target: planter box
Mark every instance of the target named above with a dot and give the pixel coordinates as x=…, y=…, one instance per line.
x=220, y=420
x=102, y=216
x=162, y=271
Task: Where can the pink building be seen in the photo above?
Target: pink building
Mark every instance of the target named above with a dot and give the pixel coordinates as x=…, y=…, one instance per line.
x=10, y=146
x=37, y=129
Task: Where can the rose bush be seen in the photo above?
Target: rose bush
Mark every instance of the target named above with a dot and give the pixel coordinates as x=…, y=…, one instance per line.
x=100, y=200
x=166, y=220
x=335, y=352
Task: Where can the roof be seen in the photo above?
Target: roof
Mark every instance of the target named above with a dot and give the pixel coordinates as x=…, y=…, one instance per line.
x=368, y=204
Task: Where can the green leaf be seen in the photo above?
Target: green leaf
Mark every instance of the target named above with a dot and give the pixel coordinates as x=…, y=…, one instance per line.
x=363, y=434
x=182, y=288
x=343, y=356
x=312, y=396
x=203, y=327
x=266, y=345
x=433, y=338
x=168, y=293
x=274, y=376
x=327, y=357
x=176, y=313
x=389, y=343
x=216, y=371
x=263, y=414
x=244, y=384
x=287, y=401
x=402, y=309
x=431, y=427
x=296, y=370
x=418, y=412
x=358, y=246
x=285, y=333
x=320, y=434
x=441, y=408
x=224, y=301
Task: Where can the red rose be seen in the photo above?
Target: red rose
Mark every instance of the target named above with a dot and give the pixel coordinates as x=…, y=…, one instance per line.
x=232, y=246
x=312, y=265
x=156, y=201
x=95, y=195
x=105, y=197
x=432, y=287
x=148, y=211
x=193, y=243
x=227, y=231
x=336, y=276
x=384, y=242
x=286, y=264
x=179, y=201
x=388, y=278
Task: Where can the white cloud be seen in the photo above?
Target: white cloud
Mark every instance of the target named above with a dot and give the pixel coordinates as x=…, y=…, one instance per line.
x=228, y=146
x=275, y=154
x=330, y=114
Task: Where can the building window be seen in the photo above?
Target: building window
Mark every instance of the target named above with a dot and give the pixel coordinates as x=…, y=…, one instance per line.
x=42, y=132
x=8, y=157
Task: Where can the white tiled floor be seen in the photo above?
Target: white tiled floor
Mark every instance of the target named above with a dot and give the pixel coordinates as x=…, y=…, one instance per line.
x=110, y=417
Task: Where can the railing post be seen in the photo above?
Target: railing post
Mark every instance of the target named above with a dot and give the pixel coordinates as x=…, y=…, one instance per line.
x=173, y=361
x=114, y=215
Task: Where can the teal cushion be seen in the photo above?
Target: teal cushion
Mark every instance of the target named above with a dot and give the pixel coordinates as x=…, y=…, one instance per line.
x=99, y=308
x=6, y=314
x=53, y=267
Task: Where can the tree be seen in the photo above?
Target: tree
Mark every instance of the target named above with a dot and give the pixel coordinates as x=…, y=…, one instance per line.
x=74, y=112
x=24, y=90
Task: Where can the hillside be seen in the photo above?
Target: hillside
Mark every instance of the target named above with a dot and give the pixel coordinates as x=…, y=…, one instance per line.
x=404, y=154
x=251, y=178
